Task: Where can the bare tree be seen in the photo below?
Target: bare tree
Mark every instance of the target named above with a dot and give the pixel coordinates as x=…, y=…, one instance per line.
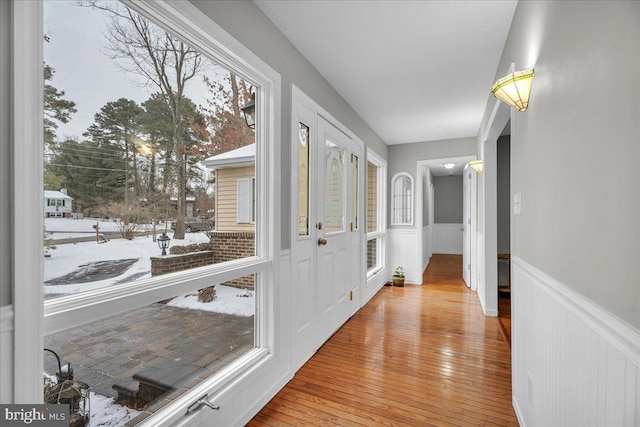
x=165, y=62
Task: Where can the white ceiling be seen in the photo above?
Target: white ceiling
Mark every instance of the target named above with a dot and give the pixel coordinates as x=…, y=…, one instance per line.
x=413, y=70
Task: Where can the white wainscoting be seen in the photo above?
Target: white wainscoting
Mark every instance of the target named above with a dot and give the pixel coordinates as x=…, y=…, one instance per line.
x=402, y=249
x=6, y=354
x=574, y=364
x=427, y=246
x=447, y=239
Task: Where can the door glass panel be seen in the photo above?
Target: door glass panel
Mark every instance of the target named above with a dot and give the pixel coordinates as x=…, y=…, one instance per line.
x=372, y=197
x=334, y=187
x=356, y=199
x=303, y=179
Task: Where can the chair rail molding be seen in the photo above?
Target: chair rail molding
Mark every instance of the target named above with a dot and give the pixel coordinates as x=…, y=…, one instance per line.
x=574, y=363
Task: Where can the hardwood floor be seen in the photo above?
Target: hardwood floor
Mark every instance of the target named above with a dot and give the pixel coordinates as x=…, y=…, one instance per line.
x=414, y=356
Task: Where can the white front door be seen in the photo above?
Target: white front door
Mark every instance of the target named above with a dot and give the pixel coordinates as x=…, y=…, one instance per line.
x=333, y=211
x=327, y=241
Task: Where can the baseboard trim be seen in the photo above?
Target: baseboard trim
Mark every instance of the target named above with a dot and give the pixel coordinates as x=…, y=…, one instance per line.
x=516, y=409
x=619, y=334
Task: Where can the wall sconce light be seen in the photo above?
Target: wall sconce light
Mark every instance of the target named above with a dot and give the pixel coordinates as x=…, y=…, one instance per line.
x=163, y=243
x=448, y=165
x=249, y=111
x=514, y=89
x=477, y=165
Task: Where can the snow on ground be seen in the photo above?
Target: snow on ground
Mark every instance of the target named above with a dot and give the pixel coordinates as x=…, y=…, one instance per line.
x=229, y=300
x=67, y=258
x=105, y=412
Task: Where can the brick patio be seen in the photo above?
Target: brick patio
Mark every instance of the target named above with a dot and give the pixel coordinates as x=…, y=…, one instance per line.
x=170, y=347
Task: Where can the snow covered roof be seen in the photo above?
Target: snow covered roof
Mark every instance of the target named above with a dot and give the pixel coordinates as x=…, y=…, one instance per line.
x=48, y=194
x=243, y=156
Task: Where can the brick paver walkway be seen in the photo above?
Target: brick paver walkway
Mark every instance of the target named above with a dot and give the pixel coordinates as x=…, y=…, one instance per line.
x=169, y=345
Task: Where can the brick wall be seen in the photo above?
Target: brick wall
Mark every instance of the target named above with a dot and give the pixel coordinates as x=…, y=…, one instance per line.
x=226, y=246
x=171, y=263
x=230, y=245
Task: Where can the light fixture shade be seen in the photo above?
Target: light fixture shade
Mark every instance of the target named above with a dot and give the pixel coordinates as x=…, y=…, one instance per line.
x=514, y=89
x=477, y=165
x=449, y=165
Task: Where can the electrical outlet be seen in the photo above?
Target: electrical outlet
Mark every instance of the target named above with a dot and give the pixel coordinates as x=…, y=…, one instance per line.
x=530, y=386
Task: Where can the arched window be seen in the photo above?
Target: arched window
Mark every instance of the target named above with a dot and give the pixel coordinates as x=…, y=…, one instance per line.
x=402, y=199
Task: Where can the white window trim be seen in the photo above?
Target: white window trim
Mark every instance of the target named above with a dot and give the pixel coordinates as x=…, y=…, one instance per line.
x=191, y=25
x=395, y=178
x=381, y=230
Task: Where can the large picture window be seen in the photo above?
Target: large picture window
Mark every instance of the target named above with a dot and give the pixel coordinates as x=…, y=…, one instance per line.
x=375, y=214
x=144, y=295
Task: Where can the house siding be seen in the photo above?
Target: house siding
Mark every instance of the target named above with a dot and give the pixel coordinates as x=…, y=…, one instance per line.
x=227, y=198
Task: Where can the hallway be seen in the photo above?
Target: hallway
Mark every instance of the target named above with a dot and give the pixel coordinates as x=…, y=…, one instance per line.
x=418, y=355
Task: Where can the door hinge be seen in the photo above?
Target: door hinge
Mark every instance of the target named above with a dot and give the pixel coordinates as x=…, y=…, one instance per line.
x=352, y=158
x=469, y=267
x=469, y=221
x=351, y=226
x=350, y=295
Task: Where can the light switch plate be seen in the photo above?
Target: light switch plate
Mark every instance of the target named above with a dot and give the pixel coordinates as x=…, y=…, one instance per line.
x=517, y=203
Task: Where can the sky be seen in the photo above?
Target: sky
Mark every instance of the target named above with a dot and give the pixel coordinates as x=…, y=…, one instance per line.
x=82, y=70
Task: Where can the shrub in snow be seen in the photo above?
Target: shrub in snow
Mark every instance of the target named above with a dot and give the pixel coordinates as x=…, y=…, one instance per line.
x=207, y=294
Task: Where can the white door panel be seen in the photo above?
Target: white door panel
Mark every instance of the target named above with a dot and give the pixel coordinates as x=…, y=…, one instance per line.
x=328, y=239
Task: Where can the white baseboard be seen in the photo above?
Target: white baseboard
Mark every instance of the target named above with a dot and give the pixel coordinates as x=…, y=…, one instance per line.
x=574, y=363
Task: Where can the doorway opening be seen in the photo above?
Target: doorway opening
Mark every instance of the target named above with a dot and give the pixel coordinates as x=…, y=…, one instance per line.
x=440, y=210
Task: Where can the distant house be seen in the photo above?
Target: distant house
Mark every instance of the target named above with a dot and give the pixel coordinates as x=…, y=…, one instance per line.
x=235, y=188
x=57, y=204
x=190, y=202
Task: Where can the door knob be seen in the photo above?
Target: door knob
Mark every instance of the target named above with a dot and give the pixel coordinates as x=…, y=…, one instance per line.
x=322, y=242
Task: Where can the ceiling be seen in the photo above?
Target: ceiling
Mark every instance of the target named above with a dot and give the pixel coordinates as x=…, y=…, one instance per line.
x=413, y=70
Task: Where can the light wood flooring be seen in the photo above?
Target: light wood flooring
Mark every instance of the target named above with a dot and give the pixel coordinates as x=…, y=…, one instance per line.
x=413, y=356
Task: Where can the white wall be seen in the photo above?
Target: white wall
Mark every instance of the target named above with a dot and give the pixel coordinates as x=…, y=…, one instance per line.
x=447, y=238
x=574, y=363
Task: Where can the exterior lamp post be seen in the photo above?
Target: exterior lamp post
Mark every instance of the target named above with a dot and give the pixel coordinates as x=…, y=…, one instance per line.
x=249, y=111
x=163, y=242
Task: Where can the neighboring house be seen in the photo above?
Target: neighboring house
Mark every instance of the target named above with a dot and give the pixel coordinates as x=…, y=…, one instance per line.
x=190, y=202
x=235, y=185
x=57, y=204
x=234, y=234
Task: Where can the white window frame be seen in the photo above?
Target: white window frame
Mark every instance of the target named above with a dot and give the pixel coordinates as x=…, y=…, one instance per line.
x=34, y=318
x=381, y=230
x=399, y=201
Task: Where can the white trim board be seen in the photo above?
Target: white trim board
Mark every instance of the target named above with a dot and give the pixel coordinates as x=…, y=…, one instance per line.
x=574, y=363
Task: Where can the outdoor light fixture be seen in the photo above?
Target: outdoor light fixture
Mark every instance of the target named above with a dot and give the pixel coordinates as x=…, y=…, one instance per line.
x=448, y=165
x=477, y=165
x=249, y=111
x=513, y=89
x=163, y=242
